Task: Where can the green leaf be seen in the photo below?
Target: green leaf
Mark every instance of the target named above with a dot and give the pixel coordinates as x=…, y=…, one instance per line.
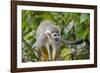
x=66, y=54
x=83, y=17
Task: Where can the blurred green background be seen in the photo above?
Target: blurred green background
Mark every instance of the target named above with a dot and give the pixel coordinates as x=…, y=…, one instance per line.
x=74, y=26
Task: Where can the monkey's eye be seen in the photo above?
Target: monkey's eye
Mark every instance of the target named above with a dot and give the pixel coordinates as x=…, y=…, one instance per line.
x=58, y=34
x=55, y=34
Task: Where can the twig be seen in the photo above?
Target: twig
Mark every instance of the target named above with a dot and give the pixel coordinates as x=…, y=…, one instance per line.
x=30, y=48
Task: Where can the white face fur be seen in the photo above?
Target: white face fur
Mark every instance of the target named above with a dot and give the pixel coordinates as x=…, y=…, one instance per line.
x=56, y=36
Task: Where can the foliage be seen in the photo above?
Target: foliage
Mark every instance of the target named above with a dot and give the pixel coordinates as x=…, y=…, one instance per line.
x=74, y=26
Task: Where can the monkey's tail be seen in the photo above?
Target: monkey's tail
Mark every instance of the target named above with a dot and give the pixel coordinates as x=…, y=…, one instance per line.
x=76, y=42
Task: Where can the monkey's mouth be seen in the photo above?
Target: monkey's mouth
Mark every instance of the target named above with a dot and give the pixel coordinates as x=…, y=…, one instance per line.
x=56, y=39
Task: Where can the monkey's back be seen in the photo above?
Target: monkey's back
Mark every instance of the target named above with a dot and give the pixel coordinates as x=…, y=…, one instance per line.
x=43, y=27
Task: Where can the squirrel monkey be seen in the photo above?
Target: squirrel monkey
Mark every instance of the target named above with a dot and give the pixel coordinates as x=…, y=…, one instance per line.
x=48, y=36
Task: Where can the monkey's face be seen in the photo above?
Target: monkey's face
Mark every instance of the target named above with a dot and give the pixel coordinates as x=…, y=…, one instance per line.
x=53, y=37
x=56, y=37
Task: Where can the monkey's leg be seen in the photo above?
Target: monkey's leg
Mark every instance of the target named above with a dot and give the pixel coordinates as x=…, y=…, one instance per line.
x=49, y=52
x=54, y=53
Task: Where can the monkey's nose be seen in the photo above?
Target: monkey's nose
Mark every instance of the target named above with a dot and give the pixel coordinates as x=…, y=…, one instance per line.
x=56, y=39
